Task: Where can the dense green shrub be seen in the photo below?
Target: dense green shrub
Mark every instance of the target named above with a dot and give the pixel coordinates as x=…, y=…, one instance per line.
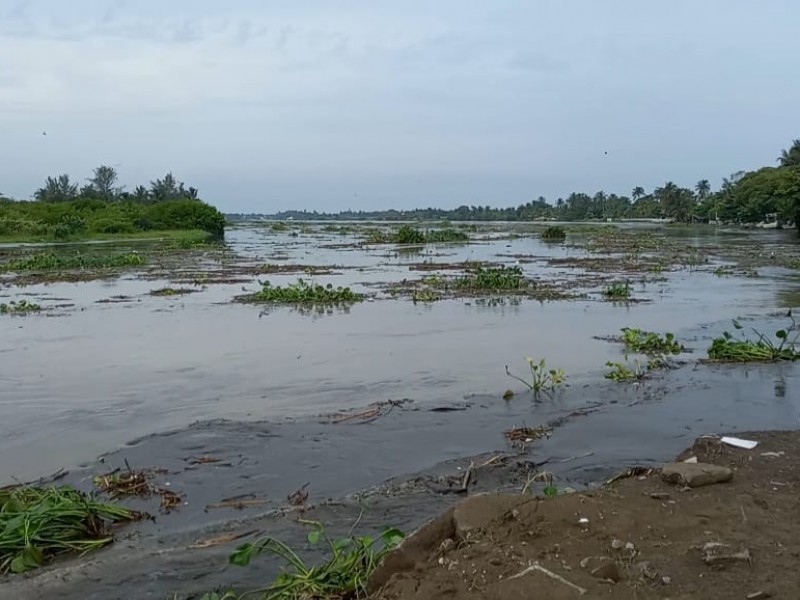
x=82, y=217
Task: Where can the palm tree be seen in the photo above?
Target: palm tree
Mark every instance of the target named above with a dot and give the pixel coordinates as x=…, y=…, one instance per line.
x=637, y=193
x=57, y=189
x=791, y=157
x=103, y=180
x=703, y=189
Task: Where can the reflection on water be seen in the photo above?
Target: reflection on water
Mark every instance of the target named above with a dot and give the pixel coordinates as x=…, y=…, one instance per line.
x=75, y=386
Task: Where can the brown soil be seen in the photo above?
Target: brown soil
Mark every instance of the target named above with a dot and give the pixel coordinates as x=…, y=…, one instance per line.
x=644, y=538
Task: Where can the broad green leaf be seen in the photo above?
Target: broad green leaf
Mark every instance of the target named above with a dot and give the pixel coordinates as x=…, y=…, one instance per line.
x=313, y=536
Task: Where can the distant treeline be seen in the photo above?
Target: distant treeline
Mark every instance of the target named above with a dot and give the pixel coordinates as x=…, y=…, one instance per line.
x=744, y=197
x=62, y=210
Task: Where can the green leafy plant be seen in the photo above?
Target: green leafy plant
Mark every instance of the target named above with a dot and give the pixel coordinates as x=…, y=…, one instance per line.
x=494, y=278
x=622, y=372
x=554, y=233
x=542, y=378
x=304, y=292
x=38, y=523
x=649, y=342
x=761, y=349
x=617, y=291
x=345, y=574
x=19, y=307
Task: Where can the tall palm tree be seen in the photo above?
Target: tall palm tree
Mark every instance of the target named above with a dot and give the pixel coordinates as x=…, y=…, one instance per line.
x=791, y=157
x=637, y=193
x=703, y=189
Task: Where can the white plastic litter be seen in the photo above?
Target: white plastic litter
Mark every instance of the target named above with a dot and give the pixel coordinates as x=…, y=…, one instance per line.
x=692, y=460
x=739, y=442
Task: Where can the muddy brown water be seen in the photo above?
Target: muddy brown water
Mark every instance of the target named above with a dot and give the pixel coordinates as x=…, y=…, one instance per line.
x=158, y=381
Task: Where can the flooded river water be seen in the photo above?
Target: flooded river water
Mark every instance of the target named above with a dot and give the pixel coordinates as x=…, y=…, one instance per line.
x=108, y=370
x=100, y=374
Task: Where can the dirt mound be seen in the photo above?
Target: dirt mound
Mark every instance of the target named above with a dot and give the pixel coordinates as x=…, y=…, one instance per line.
x=641, y=537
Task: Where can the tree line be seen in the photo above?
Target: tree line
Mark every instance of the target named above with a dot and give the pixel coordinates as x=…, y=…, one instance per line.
x=744, y=197
x=104, y=185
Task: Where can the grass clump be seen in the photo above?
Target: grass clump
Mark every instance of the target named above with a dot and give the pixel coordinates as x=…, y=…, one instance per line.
x=353, y=559
x=304, y=292
x=50, y=261
x=494, y=278
x=39, y=523
x=19, y=307
x=649, y=342
x=554, y=233
x=617, y=291
x=761, y=349
x=542, y=378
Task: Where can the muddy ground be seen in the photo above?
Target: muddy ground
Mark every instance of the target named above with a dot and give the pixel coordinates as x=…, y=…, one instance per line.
x=641, y=538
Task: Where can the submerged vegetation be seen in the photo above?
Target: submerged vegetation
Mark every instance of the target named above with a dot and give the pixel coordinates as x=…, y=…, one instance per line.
x=761, y=349
x=409, y=235
x=617, y=291
x=303, y=292
x=649, y=342
x=39, y=523
x=620, y=371
x=494, y=278
x=50, y=261
x=542, y=378
x=353, y=559
x=19, y=307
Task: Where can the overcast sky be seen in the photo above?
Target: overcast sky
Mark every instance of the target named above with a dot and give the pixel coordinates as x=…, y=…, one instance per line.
x=331, y=105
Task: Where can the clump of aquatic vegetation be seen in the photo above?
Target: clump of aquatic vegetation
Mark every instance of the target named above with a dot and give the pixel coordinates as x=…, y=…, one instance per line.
x=425, y=295
x=412, y=236
x=50, y=261
x=19, y=307
x=617, y=291
x=304, y=291
x=650, y=342
x=554, y=233
x=170, y=291
x=39, y=523
x=352, y=561
x=620, y=371
x=542, y=379
x=494, y=278
x=759, y=349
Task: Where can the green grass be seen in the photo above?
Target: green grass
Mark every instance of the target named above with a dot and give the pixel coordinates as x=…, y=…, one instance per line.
x=304, y=292
x=19, y=307
x=760, y=349
x=39, y=523
x=353, y=559
x=181, y=237
x=494, y=278
x=649, y=342
x=50, y=261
